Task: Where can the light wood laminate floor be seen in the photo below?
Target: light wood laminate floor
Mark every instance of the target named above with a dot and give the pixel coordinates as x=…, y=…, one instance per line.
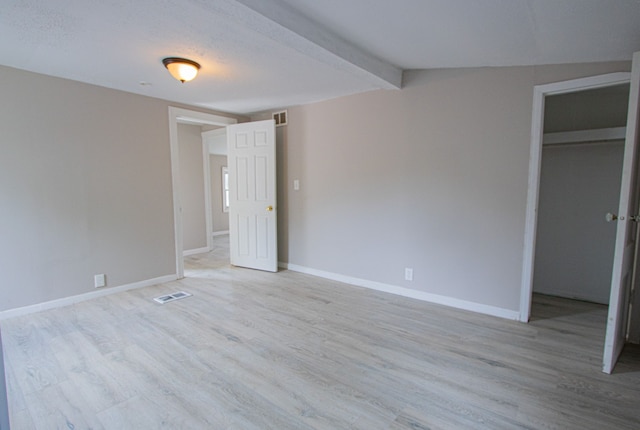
x=254, y=350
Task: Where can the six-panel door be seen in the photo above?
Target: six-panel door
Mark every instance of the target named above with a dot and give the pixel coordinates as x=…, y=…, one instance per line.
x=252, y=203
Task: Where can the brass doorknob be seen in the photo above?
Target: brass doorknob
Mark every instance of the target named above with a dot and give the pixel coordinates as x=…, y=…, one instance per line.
x=610, y=217
x=269, y=208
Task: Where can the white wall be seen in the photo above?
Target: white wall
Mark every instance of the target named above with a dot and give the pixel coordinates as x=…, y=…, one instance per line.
x=85, y=188
x=579, y=184
x=432, y=177
x=216, y=141
x=194, y=225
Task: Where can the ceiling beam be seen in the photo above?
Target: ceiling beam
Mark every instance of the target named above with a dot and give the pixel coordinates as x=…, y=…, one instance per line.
x=280, y=23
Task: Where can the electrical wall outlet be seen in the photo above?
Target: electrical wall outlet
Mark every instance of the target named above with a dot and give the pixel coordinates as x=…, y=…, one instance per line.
x=408, y=274
x=100, y=280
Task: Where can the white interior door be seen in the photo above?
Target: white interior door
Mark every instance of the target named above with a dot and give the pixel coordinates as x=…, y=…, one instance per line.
x=625, y=249
x=252, y=202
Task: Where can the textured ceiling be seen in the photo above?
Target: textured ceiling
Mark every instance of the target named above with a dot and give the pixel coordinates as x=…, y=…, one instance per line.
x=264, y=54
x=423, y=34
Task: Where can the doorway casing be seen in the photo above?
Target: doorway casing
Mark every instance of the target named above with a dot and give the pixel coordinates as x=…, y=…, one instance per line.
x=535, y=156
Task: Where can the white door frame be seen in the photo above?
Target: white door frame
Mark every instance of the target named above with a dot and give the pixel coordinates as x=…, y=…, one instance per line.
x=535, y=155
x=208, y=213
x=197, y=118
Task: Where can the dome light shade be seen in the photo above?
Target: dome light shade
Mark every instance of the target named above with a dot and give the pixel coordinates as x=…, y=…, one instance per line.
x=182, y=69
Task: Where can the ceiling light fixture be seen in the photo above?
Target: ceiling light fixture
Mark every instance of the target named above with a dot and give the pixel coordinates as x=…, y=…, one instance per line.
x=182, y=69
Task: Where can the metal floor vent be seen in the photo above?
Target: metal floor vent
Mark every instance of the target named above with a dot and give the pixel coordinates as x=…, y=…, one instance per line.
x=171, y=297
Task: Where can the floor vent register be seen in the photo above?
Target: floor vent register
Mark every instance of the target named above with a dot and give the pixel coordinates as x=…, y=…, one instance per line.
x=171, y=297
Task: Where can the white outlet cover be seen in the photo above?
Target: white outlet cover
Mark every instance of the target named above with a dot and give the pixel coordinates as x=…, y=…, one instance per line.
x=99, y=280
x=408, y=274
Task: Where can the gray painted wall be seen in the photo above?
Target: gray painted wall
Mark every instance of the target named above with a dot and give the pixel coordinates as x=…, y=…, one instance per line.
x=579, y=184
x=4, y=408
x=194, y=225
x=85, y=188
x=220, y=218
x=432, y=177
x=587, y=110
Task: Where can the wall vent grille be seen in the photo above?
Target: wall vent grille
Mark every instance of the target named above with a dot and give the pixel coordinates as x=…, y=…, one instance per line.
x=280, y=118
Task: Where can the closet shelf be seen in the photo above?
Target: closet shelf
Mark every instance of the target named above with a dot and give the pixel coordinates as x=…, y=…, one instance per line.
x=579, y=136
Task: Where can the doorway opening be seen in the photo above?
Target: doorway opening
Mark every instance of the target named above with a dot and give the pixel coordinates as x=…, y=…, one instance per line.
x=215, y=179
x=594, y=126
x=201, y=196
x=579, y=182
x=573, y=88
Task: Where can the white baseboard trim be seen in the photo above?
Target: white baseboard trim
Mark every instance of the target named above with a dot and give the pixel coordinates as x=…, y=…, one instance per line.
x=220, y=233
x=189, y=252
x=407, y=292
x=58, y=303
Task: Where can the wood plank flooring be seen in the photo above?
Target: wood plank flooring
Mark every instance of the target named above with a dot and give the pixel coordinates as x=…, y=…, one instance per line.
x=254, y=350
